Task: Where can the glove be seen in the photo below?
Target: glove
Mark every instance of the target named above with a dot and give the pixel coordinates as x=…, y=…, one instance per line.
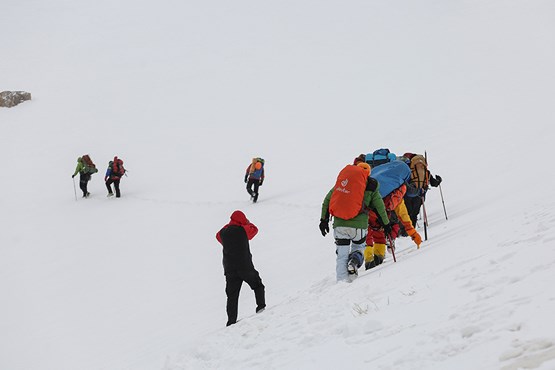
x=245, y=179
x=416, y=238
x=72, y=176
x=438, y=179
x=260, y=183
x=387, y=229
x=324, y=226
x=105, y=178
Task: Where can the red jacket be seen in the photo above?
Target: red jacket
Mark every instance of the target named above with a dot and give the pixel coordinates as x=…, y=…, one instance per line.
x=238, y=218
x=234, y=238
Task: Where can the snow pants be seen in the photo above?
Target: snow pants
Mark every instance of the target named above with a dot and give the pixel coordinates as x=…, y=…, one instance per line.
x=376, y=239
x=234, y=280
x=116, y=186
x=251, y=191
x=348, y=240
x=413, y=208
x=83, y=181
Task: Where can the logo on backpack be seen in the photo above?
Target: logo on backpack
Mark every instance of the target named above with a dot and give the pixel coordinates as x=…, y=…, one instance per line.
x=348, y=193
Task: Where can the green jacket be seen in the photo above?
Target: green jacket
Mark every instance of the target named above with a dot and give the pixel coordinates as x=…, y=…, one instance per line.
x=80, y=166
x=372, y=201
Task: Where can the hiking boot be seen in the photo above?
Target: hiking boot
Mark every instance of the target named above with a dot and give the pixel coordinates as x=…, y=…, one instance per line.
x=370, y=265
x=86, y=196
x=352, y=267
x=255, y=197
x=110, y=195
x=378, y=260
x=260, y=308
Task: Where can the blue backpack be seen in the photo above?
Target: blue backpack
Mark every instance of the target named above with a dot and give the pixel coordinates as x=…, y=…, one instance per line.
x=380, y=156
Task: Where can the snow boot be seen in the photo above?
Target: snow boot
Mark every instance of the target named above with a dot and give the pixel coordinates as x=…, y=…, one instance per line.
x=260, y=308
x=370, y=265
x=355, y=261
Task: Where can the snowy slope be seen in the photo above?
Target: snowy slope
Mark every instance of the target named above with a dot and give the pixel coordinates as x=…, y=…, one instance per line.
x=186, y=94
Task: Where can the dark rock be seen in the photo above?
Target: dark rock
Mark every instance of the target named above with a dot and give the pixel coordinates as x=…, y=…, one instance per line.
x=12, y=98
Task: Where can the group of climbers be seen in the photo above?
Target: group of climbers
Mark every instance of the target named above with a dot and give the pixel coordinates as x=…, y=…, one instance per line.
x=374, y=200
x=85, y=168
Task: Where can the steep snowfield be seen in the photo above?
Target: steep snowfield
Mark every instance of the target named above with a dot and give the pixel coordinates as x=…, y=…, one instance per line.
x=186, y=94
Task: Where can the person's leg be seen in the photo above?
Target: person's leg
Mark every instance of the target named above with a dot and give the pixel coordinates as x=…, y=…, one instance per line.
x=379, y=246
x=232, y=290
x=342, y=252
x=83, y=184
x=255, y=191
x=255, y=282
x=250, y=183
x=358, y=245
x=116, y=185
x=109, y=186
x=413, y=207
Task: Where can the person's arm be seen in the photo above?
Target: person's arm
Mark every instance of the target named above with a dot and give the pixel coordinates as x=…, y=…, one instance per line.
x=435, y=181
x=251, y=230
x=78, y=168
x=376, y=202
x=247, y=172
x=325, y=214
x=218, y=237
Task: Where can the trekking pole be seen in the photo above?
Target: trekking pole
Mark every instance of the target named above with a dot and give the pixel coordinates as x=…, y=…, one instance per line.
x=443, y=202
x=392, y=247
x=74, y=189
x=425, y=221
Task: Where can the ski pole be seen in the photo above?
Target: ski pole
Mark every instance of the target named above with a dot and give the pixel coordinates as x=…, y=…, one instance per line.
x=74, y=189
x=442, y=201
x=425, y=220
x=392, y=247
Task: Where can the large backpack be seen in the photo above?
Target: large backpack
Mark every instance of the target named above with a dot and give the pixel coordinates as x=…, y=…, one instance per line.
x=419, y=171
x=379, y=156
x=90, y=167
x=117, y=167
x=256, y=168
x=348, y=193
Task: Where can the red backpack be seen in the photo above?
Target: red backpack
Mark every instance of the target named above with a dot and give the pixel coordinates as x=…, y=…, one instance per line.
x=117, y=167
x=348, y=193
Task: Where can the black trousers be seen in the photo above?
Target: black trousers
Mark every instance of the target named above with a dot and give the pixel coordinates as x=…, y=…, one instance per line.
x=413, y=207
x=83, y=181
x=250, y=183
x=233, y=287
x=116, y=186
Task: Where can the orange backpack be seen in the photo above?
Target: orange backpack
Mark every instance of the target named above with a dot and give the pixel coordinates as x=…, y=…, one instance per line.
x=348, y=193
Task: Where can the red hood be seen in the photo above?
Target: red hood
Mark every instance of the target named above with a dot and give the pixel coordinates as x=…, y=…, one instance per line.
x=238, y=218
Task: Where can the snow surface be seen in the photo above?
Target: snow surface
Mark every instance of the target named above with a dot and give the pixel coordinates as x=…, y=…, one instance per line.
x=186, y=93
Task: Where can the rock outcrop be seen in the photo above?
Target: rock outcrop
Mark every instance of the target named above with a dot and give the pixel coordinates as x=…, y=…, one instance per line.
x=12, y=98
